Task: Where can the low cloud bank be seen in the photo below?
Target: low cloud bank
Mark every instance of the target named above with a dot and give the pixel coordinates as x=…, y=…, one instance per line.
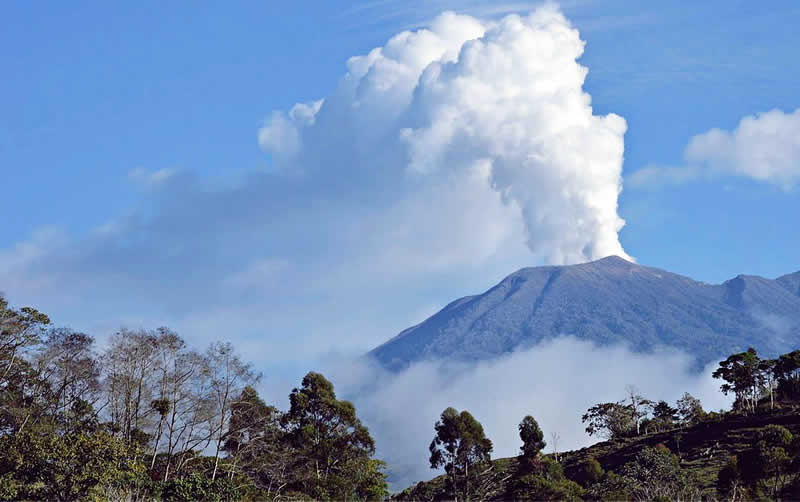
x=555, y=382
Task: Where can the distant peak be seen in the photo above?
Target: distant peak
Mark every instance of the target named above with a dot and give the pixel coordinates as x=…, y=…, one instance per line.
x=613, y=260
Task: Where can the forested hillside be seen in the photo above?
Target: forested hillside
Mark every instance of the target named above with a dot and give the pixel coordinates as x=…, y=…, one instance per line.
x=653, y=451
x=149, y=418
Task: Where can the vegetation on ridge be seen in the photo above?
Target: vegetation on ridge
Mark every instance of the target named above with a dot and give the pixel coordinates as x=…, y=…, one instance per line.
x=148, y=418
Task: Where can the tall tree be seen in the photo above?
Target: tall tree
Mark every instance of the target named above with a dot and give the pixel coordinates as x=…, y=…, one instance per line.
x=787, y=373
x=639, y=406
x=22, y=390
x=188, y=425
x=532, y=442
x=257, y=443
x=329, y=441
x=741, y=375
x=19, y=329
x=130, y=362
x=229, y=376
x=67, y=362
x=459, y=446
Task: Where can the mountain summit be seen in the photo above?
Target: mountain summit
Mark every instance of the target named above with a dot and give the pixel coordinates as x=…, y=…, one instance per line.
x=607, y=301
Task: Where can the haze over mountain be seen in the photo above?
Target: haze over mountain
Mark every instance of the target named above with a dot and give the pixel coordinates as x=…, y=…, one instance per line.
x=608, y=301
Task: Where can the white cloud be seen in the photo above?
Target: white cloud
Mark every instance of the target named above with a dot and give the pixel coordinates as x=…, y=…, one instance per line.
x=152, y=179
x=764, y=147
x=555, y=382
x=14, y=262
x=279, y=136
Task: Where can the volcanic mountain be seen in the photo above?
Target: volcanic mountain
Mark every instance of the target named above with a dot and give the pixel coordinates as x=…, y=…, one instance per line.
x=608, y=301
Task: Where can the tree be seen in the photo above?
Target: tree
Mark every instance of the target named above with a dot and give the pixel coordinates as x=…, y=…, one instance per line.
x=769, y=462
x=787, y=374
x=460, y=446
x=229, y=376
x=67, y=362
x=258, y=445
x=188, y=424
x=19, y=329
x=22, y=391
x=609, y=420
x=130, y=363
x=664, y=415
x=766, y=379
x=532, y=442
x=690, y=410
x=555, y=437
x=329, y=441
x=741, y=375
x=639, y=406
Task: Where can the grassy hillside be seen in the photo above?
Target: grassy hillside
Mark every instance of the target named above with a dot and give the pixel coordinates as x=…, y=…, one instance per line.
x=703, y=450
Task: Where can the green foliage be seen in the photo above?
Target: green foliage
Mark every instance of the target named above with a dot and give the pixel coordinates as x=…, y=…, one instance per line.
x=532, y=441
x=787, y=373
x=332, y=447
x=654, y=474
x=69, y=467
x=196, y=486
x=537, y=487
x=741, y=375
x=589, y=472
x=459, y=446
x=609, y=420
x=771, y=465
x=543, y=480
x=664, y=415
x=690, y=410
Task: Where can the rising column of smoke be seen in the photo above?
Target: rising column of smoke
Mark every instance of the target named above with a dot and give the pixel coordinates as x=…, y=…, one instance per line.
x=464, y=96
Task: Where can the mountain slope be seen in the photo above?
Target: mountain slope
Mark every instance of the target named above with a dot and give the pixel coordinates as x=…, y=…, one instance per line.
x=607, y=301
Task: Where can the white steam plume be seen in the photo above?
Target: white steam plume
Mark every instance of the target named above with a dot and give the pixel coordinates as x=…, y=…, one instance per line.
x=466, y=96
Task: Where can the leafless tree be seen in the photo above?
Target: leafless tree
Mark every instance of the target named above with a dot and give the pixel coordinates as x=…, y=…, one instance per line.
x=554, y=439
x=639, y=406
x=229, y=375
x=129, y=363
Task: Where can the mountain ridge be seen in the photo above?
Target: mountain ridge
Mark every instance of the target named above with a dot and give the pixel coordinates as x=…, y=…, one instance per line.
x=606, y=301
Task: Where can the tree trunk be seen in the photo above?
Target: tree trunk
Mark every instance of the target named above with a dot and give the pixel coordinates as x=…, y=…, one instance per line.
x=158, y=440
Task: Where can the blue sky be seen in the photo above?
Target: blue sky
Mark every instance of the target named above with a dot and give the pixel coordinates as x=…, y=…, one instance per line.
x=136, y=191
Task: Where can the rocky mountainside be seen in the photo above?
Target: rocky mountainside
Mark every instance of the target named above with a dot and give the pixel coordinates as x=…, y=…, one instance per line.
x=608, y=301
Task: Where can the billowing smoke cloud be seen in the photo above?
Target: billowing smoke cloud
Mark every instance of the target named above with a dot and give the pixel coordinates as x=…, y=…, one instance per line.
x=419, y=179
x=555, y=382
x=764, y=147
x=465, y=96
